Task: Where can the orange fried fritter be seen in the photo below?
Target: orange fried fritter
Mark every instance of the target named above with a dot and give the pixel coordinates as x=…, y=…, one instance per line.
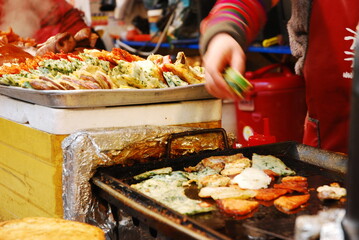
x=289, y=203
x=234, y=206
x=269, y=194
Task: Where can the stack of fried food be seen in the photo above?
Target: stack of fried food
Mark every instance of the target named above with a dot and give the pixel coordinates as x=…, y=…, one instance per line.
x=59, y=64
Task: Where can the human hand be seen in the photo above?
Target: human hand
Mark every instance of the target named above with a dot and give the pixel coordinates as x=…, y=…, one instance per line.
x=222, y=51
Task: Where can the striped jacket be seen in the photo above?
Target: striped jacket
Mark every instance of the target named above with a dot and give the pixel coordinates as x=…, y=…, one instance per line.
x=243, y=19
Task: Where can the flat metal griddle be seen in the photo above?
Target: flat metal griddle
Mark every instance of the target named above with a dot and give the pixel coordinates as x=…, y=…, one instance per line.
x=319, y=166
x=105, y=97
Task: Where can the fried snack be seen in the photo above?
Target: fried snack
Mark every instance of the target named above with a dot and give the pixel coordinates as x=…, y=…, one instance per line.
x=183, y=70
x=226, y=192
x=294, y=179
x=295, y=183
x=234, y=206
x=214, y=180
x=289, y=203
x=218, y=163
x=333, y=192
x=269, y=194
x=41, y=228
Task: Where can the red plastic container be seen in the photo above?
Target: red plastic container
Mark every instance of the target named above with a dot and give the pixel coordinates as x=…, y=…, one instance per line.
x=277, y=101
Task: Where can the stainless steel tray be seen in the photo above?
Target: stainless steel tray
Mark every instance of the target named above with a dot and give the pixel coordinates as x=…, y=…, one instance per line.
x=105, y=97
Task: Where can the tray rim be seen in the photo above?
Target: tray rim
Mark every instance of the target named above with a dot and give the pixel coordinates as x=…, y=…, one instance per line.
x=77, y=98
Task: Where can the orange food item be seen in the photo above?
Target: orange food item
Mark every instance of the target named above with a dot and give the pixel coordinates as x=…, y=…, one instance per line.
x=269, y=194
x=293, y=183
x=289, y=203
x=12, y=54
x=294, y=179
x=234, y=206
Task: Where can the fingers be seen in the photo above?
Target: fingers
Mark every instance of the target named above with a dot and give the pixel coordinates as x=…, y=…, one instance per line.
x=223, y=51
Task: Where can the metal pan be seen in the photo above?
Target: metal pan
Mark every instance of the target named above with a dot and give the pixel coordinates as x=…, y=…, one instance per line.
x=105, y=97
x=319, y=166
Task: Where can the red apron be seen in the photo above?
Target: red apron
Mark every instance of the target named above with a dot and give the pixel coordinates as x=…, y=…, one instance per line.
x=328, y=72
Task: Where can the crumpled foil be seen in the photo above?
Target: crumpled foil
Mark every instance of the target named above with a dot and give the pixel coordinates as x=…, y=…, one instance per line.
x=85, y=151
x=326, y=225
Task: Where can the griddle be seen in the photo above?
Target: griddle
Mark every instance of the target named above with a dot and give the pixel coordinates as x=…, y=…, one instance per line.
x=319, y=166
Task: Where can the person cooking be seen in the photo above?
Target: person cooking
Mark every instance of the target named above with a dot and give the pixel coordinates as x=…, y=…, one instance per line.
x=321, y=34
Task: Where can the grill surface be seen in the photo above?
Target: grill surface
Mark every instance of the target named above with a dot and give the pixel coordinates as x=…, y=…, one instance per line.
x=319, y=166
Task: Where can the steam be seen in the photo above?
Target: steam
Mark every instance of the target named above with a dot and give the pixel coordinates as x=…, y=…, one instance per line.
x=23, y=16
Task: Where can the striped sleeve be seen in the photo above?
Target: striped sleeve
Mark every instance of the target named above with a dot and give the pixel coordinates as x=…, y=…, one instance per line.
x=242, y=19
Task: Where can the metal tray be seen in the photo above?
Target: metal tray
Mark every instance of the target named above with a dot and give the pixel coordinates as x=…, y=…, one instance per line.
x=319, y=166
x=105, y=97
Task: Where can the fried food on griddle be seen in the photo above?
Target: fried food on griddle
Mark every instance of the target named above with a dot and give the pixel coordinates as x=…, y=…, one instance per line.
x=218, y=163
x=252, y=178
x=226, y=192
x=333, y=192
x=294, y=179
x=214, y=180
x=271, y=162
x=234, y=206
x=289, y=203
x=269, y=194
x=296, y=183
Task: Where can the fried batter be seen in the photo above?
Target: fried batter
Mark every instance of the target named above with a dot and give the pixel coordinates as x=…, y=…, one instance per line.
x=269, y=194
x=295, y=183
x=289, y=203
x=234, y=206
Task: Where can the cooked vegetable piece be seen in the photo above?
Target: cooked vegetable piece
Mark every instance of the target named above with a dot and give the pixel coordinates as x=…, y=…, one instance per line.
x=271, y=162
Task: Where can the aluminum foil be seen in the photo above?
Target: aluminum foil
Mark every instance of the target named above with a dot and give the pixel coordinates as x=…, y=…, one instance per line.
x=85, y=151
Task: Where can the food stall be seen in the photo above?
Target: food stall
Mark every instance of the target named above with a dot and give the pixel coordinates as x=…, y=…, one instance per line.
x=34, y=123
x=82, y=155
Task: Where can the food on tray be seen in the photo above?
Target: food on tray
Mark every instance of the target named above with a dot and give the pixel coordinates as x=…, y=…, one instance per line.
x=252, y=178
x=66, y=62
x=331, y=192
x=271, y=162
x=90, y=69
x=290, y=203
x=11, y=54
x=9, y=37
x=43, y=228
x=234, y=206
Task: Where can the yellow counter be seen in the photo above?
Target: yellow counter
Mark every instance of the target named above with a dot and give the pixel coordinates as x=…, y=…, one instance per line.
x=30, y=172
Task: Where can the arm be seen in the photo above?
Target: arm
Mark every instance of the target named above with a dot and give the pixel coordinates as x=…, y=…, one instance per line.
x=226, y=32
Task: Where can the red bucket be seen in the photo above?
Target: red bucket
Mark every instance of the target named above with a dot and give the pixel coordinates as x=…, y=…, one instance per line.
x=277, y=102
